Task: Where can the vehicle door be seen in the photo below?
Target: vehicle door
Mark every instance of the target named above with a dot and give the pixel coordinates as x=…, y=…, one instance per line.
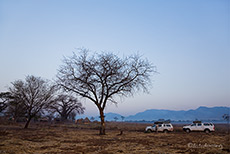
x=154, y=127
x=199, y=127
x=160, y=127
x=193, y=127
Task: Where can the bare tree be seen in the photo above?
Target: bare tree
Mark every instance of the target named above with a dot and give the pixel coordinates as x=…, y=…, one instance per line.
x=12, y=105
x=72, y=116
x=115, y=119
x=16, y=109
x=226, y=117
x=4, y=99
x=122, y=118
x=92, y=119
x=34, y=93
x=102, y=77
x=67, y=107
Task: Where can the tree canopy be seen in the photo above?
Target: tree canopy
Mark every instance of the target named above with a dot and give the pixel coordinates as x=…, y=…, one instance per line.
x=100, y=77
x=34, y=94
x=66, y=105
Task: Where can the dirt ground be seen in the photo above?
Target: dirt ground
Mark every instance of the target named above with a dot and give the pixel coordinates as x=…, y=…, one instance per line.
x=84, y=139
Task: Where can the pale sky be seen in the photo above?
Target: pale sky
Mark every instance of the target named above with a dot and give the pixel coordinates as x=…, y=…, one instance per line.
x=188, y=41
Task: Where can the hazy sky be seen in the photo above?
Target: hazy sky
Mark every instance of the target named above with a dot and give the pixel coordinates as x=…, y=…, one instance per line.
x=188, y=41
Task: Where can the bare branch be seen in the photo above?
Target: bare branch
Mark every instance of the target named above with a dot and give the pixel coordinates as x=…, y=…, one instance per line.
x=102, y=76
x=34, y=94
x=64, y=105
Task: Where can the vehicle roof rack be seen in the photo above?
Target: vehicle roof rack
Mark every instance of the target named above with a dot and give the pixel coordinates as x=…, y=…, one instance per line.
x=158, y=122
x=161, y=122
x=197, y=121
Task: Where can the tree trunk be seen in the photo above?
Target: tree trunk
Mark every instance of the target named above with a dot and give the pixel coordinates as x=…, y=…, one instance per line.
x=27, y=122
x=102, y=129
x=64, y=118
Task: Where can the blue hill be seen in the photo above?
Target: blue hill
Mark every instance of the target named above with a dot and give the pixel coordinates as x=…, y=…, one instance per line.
x=110, y=117
x=201, y=113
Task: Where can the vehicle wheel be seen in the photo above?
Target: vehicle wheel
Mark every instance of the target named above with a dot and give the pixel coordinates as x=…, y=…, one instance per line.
x=187, y=130
x=165, y=131
x=207, y=131
x=148, y=131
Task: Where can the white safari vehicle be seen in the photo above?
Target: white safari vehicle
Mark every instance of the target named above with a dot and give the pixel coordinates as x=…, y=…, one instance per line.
x=159, y=127
x=199, y=126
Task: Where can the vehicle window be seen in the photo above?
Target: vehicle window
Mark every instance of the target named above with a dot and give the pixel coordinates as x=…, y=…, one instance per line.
x=193, y=124
x=198, y=124
x=154, y=125
x=206, y=124
x=159, y=125
x=168, y=125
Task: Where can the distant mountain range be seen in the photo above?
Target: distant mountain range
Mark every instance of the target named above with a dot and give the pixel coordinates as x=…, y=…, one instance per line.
x=201, y=113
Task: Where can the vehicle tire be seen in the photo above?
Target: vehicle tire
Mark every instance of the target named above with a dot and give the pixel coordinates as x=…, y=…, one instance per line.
x=187, y=131
x=165, y=131
x=148, y=131
x=207, y=131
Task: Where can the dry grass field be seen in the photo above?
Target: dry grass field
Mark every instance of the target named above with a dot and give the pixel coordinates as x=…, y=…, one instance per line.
x=84, y=139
